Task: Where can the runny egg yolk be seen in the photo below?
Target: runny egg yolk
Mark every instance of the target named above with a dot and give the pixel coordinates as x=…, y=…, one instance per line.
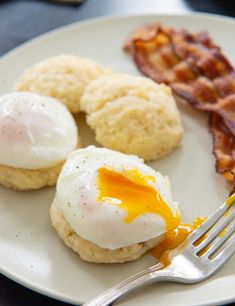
x=130, y=190
x=173, y=239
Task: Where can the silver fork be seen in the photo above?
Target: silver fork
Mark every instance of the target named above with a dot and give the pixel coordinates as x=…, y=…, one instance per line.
x=194, y=261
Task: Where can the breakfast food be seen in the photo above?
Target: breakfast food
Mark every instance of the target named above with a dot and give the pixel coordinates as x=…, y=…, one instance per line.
x=111, y=207
x=37, y=133
x=133, y=115
x=63, y=77
x=224, y=147
x=199, y=73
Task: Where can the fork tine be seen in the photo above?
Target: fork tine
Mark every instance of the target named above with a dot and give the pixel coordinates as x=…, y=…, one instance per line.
x=214, y=232
x=220, y=242
x=209, y=223
x=224, y=255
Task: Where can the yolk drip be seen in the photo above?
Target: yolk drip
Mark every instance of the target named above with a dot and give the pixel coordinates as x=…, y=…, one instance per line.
x=231, y=200
x=224, y=231
x=174, y=238
x=131, y=192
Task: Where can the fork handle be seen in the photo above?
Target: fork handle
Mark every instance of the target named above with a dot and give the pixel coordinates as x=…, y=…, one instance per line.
x=132, y=283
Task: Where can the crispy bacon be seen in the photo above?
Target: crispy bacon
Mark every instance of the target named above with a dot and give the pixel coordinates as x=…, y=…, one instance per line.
x=199, y=73
x=223, y=147
x=226, y=109
x=202, y=95
x=145, y=32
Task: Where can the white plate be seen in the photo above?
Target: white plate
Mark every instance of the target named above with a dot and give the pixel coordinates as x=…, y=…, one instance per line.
x=33, y=255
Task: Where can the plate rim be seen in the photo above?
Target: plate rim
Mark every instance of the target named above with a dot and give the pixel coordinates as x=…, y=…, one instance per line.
x=100, y=19
x=68, y=27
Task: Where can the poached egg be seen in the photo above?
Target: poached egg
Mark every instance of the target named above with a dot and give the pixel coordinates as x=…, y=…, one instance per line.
x=114, y=200
x=35, y=131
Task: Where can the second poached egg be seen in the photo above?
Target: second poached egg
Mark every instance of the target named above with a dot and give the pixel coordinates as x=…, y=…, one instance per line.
x=35, y=131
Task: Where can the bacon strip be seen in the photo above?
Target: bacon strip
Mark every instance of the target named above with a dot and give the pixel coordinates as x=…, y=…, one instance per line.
x=223, y=147
x=202, y=95
x=199, y=73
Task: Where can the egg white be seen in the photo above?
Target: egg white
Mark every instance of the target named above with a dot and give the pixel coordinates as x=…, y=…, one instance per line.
x=103, y=223
x=35, y=131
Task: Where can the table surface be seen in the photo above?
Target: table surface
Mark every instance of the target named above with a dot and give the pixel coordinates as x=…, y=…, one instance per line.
x=22, y=20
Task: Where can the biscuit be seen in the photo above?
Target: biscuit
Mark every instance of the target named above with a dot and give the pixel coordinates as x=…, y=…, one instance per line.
x=63, y=77
x=133, y=115
x=28, y=179
x=89, y=251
